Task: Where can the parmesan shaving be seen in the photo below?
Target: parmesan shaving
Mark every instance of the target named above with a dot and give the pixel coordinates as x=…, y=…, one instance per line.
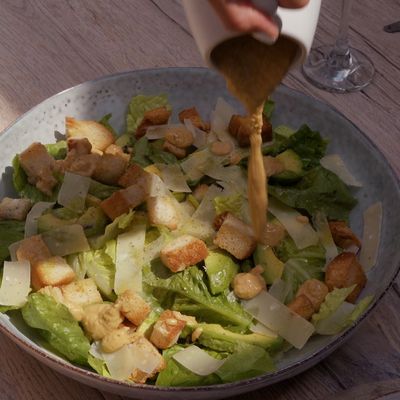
x=33, y=215
x=335, y=164
x=16, y=283
x=73, y=191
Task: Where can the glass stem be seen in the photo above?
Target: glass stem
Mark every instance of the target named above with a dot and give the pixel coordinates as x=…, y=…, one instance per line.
x=342, y=41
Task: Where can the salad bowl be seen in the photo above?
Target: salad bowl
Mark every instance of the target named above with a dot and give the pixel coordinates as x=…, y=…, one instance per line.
x=201, y=87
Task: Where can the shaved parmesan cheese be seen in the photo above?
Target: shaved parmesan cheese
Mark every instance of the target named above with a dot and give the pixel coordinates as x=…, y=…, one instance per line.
x=262, y=329
x=68, y=239
x=123, y=362
x=152, y=250
x=198, y=361
x=157, y=131
x=12, y=249
x=334, y=163
x=325, y=236
x=205, y=211
x=157, y=186
x=199, y=136
x=371, y=236
x=279, y=289
x=16, y=283
x=302, y=233
x=173, y=178
x=73, y=191
x=280, y=319
x=33, y=215
x=221, y=116
x=129, y=260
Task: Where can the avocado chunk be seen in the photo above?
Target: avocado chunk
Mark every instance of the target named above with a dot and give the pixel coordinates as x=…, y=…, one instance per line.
x=293, y=167
x=216, y=337
x=272, y=265
x=93, y=221
x=220, y=269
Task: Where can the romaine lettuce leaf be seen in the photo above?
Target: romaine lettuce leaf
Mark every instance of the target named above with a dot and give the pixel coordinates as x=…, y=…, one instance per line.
x=147, y=153
x=56, y=324
x=232, y=204
x=139, y=105
x=246, y=362
x=105, y=121
x=187, y=292
x=10, y=232
x=100, y=190
x=269, y=108
x=177, y=375
x=98, y=365
x=319, y=190
x=58, y=150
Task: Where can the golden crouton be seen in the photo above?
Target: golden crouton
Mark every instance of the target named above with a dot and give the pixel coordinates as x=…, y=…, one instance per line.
x=240, y=128
x=33, y=249
x=343, y=236
x=302, y=306
x=117, y=151
x=97, y=134
x=132, y=307
x=75, y=296
x=53, y=271
x=167, y=329
x=14, y=208
x=146, y=347
x=39, y=167
x=344, y=271
x=131, y=175
x=315, y=291
x=236, y=237
x=176, y=151
x=123, y=200
x=193, y=115
x=157, y=116
x=183, y=252
x=78, y=147
x=179, y=136
x=161, y=211
x=101, y=319
x=109, y=169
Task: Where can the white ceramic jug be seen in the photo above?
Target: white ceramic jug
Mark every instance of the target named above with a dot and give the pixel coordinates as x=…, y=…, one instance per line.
x=209, y=31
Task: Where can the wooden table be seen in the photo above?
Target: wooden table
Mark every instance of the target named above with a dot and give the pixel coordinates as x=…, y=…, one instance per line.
x=49, y=45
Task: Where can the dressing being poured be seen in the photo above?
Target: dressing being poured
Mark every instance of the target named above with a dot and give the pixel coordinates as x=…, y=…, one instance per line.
x=252, y=70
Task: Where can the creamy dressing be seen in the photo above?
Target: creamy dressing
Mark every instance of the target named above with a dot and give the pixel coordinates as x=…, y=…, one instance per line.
x=252, y=70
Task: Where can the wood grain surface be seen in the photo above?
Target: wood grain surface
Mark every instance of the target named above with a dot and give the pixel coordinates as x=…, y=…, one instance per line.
x=49, y=45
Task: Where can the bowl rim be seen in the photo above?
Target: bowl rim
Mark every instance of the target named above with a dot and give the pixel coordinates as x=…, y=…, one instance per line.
x=259, y=381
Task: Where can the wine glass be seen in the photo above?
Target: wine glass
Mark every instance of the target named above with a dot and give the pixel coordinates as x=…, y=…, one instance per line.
x=339, y=67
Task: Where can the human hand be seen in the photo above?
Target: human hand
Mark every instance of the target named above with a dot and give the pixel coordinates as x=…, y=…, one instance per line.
x=244, y=16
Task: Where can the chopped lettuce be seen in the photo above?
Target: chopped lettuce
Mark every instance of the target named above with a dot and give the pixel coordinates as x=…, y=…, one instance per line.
x=10, y=232
x=98, y=365
x=232, y=204
x=105, y=121
x=119, y=225
x=57, y=326
x=300, y=265
x=269, y=108
x=319, y=190
x=139, y=105
x=176, y=374
x=100, y=190
x=246, y=362
x=147, y=153
x=58, y=150
x=187, y=292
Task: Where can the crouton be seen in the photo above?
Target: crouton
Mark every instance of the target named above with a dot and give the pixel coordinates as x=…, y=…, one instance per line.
x=118, y=338
x=39, y=167
x=53, y=271
x=123, y=200
x=14, y=208
x=167, y=329
x=131, y=175
x=132, y=307
x=144, y=346
x=109, y=169
x=179, y=136
x=97, y=134
x=101, y=319
x=302, y=306
x=183, y=252
x=236, y=237
x=176, y=151
x=78, y=147
x=240, y=128
x=343, y=236
x=33, y=249
x=193, y=115
x=315, y=291
x=161, y=211
x=157, y=116
x=345, y=271
x=117, y=151
x=75, y=296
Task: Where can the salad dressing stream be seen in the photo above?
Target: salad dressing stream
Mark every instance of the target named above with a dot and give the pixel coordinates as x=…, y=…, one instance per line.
x=252, y=70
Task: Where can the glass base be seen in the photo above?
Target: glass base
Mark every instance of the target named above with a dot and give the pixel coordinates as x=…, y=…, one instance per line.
x=333, y=71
